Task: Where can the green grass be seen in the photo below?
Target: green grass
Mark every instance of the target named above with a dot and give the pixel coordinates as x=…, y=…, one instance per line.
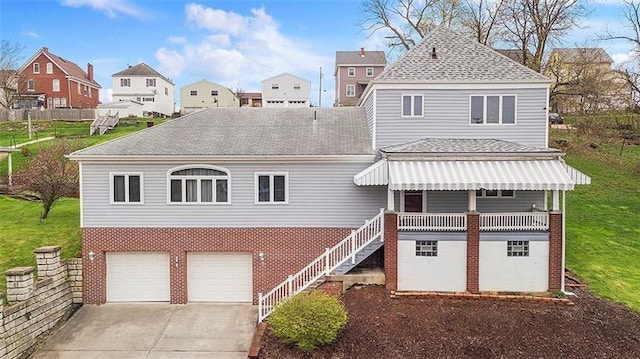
x=21, y=231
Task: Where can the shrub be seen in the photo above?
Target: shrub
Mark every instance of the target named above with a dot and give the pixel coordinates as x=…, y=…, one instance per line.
x=309, y=320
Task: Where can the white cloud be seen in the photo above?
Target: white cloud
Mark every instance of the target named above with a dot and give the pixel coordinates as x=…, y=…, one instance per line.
x=33, y=34
x=177, y=39
x=240, y=50
x=112, y=8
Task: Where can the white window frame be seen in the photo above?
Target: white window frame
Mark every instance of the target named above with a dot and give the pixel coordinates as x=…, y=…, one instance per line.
x=214, y=92
x=353, y=87
x=500, y=108
x=271, y=189
x=125, y=82
x=31, y=85
x=126, y=185
x=296, y=86
x=413, y=101
x=351, y=72
x=193, y=92
x=499, y=195
x=49, y=68
x=426, y=248
x=79, y=89
x=151, y=82
x=369, y=72
x=199, y=186
x=36, y=67
x=516, y=247
x=55, y=85
x=275, y=86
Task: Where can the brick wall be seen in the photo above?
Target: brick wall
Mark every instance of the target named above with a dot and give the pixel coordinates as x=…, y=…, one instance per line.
x=473, y=252
x=391, y=250
x=286, y=250
x=74, y=270
x=35, y=306
x=555, y=251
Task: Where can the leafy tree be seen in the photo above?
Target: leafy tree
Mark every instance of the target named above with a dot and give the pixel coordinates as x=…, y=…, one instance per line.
x=50, y=175
x=10, y=81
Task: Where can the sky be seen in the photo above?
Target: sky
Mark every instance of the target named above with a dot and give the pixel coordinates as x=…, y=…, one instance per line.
x=233, y=43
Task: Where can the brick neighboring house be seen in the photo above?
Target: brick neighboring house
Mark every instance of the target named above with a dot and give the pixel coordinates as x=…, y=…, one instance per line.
x=445, y=160
x=53, y=82
x=354, y=70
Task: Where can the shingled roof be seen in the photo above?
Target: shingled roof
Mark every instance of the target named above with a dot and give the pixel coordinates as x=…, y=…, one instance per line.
x=141, y=69
x=459, y=145
x=377, y=58
x=247, y=131
x=457, y=58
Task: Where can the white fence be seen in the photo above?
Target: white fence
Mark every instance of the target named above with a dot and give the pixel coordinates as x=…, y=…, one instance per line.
x=515, y=221
x=437, y=222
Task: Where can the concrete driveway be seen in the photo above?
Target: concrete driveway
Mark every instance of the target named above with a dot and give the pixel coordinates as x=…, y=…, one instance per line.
x=154, y=331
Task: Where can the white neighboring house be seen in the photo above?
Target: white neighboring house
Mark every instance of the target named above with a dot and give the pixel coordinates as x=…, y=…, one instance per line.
x=144, y=84
x=286, y=90
x=206, y=94
x=126, y=108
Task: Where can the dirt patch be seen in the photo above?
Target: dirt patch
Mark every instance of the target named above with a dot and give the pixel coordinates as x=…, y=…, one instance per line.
x=381, y=327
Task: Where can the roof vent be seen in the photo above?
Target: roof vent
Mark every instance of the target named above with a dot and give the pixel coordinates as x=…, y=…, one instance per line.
x=433, y=53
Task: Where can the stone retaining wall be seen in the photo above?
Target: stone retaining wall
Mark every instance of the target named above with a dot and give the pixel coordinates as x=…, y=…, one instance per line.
x=36, y=306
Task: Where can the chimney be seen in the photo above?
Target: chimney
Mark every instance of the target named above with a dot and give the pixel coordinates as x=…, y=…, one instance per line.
x=433, y=53
x=90, y=72
x=362, y=52
x=45, y=49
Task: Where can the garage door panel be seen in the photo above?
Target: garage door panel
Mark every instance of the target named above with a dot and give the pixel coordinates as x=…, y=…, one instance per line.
x=137, y=277
x=219, y=277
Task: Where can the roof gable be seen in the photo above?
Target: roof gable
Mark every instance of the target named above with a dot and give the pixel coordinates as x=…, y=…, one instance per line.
x=457, y=59
x=285, y=74
x=141, y=69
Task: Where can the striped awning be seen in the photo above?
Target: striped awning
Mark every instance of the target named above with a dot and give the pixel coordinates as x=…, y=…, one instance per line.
x=532, y=175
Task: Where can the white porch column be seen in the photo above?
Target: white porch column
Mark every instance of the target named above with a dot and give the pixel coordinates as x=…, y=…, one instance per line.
x=472, y=200
x=390, y=200
x=556, y=200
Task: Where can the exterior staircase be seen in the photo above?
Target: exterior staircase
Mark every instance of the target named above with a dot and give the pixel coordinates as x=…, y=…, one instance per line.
x=339, y=259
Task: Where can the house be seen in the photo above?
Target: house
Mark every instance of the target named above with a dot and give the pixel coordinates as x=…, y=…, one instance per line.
x=584, y=81
x=144, y=84
x=354, y=70
x=445, y=164
x=47, y=80
x=206, y=94
x=250, y=99
x=286, y=90
x=517, y=55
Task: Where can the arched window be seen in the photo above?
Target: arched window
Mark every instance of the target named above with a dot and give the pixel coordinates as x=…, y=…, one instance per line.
x=199, y=184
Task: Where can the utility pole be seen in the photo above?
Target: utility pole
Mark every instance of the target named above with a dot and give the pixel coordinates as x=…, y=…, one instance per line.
x=320, y=90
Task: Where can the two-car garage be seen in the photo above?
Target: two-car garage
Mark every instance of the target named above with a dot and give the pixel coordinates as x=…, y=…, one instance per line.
x=210, y=277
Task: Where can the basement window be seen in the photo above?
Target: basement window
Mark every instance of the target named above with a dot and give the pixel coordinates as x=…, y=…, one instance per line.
x=426, y=248
x=517, y=248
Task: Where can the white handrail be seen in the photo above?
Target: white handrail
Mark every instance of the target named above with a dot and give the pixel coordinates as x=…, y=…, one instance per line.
x=437, y=222
x=514, y=221
x=331, y=259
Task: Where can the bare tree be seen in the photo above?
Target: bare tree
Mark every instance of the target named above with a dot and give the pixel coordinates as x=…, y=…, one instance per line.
x=483, y=19
x=50, y=175
x=10, y=81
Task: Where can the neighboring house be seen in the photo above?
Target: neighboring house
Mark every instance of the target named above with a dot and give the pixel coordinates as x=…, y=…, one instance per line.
x=126, y=108
x=206, y=94
x=286, y=90
x=250, y=99
x=517, y=55
x=51, y=81
x=144, y=84
x=354, y=70
x=584, y=81
x=445, y=161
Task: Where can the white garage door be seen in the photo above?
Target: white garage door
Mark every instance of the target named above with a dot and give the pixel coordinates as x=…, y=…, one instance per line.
x=219, y=277
x=137, y=277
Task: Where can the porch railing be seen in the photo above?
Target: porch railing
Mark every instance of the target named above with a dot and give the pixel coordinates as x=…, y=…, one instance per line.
x=514, y=221
x=437, y=222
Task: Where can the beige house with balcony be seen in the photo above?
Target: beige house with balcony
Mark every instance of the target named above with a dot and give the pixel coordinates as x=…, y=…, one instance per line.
x=206, y=94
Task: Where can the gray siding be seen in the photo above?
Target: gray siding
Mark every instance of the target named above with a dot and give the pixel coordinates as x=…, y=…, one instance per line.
x=368, y=109
x=458, y=202
x=446, y=114
x=320, y=195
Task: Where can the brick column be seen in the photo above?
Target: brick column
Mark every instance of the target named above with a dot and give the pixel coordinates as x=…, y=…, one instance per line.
x=391, y=250
x=19, y=284
x=74, y=273
x=473, y=251
x=555, y=251
x=178, y=273
x=48, y=261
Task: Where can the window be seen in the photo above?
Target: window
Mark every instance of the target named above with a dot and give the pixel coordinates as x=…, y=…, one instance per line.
x=493, y=109
x=148, y=99
x=166, y=91
x=274, y=86
x=296, y=86
x=36, y=68
x=351, y=90
x=517, y=248
x=125, y=82
x=193, y=93
x=89, y=91
x=126, y=188
x=49, y=68
x=214, y=92
x=411, y=105
x=489, y=193
x=31, y=85
x=79, y=89
x=56, y=85
x=351, y=71
x=272, y=188
x=369, y=71
x=151, y=82
x=199, y=185
x=426, y=248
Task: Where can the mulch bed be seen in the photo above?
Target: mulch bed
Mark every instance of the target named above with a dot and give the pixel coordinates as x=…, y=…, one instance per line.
x=381, y=327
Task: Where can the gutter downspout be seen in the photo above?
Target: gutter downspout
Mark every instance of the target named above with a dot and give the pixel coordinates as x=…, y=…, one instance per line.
x=69, y=91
